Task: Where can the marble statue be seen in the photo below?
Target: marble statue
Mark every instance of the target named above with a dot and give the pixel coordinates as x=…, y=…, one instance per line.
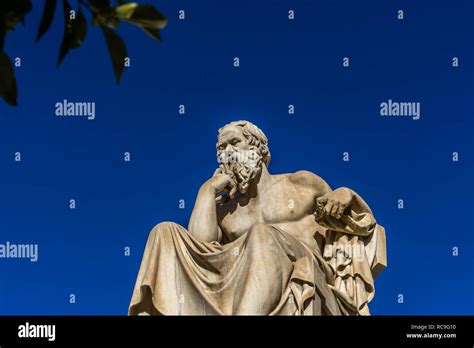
x=262, y=244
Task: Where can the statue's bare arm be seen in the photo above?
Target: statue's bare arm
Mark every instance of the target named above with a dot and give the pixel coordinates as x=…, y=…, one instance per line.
x=332, y=204
x=203, y=223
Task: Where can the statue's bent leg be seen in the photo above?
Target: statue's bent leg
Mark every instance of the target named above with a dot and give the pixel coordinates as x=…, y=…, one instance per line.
x=166, y=281
x=280, y=276
x=142, y=298
x=264, y=272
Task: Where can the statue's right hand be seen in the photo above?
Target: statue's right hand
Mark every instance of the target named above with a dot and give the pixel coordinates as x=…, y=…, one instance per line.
x=221, y=182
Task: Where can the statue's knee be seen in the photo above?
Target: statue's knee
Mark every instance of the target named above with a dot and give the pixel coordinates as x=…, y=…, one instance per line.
x=164, y=228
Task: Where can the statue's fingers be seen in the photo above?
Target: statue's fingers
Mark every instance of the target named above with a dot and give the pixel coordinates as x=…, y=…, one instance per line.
x=222, y=199
x=233, y=190
x=321, y=201
x=328, y=208
x=340, y=212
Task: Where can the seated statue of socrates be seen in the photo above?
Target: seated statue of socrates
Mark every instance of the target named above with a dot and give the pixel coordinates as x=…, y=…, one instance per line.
x=262, y=244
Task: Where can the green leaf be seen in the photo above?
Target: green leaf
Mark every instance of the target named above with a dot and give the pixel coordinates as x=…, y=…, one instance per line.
x=144, y=16
x=154, y=33
x=47, y=19
x=66, y=45
x=8, y=88
x=80, y=29
x=125, y=11
x=10, y=20
x=75, y=30
x=105, y=18
x=117, y=51
x=147, y=16
x=104, y=14
x=13, y=12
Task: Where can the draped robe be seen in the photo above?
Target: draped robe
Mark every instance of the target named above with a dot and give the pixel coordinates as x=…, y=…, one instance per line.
x=266, y=271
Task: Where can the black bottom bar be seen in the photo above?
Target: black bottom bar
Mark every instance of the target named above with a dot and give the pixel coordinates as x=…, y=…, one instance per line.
x=18, y=330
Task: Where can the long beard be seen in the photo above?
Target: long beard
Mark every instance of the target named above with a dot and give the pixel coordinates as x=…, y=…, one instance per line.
x=242, y=173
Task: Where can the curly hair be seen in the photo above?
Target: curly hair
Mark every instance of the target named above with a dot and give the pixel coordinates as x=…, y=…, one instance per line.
x=254, y=136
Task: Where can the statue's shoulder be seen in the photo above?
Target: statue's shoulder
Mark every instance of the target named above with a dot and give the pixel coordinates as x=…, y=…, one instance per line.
x=307, y=180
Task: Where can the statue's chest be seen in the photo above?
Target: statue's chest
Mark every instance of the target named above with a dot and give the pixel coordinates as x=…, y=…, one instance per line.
x=237, y=222
x=274, y=209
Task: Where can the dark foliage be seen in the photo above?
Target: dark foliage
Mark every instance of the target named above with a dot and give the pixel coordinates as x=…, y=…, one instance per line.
x=103, y=13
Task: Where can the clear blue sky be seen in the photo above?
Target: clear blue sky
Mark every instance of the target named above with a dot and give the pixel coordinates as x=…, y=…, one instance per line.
x=282, y=62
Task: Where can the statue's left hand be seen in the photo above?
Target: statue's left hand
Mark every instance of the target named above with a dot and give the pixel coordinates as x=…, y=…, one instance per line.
x=334, y=203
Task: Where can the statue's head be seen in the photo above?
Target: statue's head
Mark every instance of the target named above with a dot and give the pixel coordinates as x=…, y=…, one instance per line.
x=242, y=150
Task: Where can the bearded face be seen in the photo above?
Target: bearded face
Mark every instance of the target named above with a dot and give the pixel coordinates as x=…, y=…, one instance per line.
x=237, y=159
x=242, y=171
